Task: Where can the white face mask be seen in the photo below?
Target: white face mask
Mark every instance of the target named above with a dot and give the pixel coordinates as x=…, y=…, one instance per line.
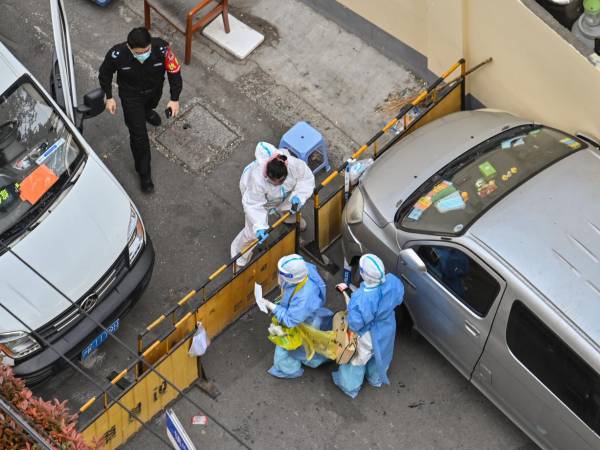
x=371, y=284
x=281, y=281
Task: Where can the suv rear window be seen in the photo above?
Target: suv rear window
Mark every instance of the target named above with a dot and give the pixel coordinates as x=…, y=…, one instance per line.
x=451, y=200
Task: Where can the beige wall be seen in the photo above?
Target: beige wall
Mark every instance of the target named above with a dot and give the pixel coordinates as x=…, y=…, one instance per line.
x=403, y=19
x=535, y=72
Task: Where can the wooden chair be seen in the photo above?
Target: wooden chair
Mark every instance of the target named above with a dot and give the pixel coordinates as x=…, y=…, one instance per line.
x=167, y=9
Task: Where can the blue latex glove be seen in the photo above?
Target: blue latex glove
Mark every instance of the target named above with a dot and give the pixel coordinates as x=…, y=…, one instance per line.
x=295, y=203
x=262, y=236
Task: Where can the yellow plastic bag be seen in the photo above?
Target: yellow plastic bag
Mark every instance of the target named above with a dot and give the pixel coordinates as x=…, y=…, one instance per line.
x=313, y=340
x=291, y=340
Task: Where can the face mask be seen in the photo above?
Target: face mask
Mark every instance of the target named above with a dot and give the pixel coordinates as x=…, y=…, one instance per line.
x=282, y=282
x=141, y=57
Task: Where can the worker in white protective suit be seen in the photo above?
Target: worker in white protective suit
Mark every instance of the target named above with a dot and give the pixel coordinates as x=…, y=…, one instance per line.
x=275, y=183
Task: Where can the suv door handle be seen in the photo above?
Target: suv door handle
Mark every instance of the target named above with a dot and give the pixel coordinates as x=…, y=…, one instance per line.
x=472, y=329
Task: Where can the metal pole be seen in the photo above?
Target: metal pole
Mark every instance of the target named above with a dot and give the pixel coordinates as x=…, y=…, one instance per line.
x=463, y=89
x=7, y=408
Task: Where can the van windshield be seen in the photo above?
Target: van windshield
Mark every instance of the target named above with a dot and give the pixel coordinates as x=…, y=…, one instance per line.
x=38, y=154
x=451, y=200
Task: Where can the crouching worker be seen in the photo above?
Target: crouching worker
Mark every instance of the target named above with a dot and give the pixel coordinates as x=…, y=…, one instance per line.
x=371, y=316
x=275, y=183
x=302, y=301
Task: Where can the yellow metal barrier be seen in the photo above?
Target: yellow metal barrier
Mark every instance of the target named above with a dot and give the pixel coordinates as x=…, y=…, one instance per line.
x=145, y=398
x=451, y=102
x=150, y=393
x=230, y=301
x=330, y=220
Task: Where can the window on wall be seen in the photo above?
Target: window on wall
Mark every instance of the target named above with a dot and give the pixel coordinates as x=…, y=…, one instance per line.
x=460, y=274
x=554, y=364
x=568, y=19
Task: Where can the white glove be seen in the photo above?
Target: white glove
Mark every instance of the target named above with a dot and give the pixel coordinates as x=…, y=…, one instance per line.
x=276, y=330
x=265, y=305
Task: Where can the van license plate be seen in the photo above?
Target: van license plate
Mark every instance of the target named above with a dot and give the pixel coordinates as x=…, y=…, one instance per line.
x=99, y=340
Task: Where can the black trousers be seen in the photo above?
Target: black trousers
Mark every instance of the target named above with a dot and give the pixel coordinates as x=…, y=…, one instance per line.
x=135, y=108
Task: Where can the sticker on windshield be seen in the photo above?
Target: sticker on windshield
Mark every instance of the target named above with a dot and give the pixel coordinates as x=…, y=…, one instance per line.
x=512, y=142
x=572, y=143
x=458, y=228
x=415, y=214
x=451, y=202
x=8, y=195
x=44, y=156
x=36, y=184
x=485, y=188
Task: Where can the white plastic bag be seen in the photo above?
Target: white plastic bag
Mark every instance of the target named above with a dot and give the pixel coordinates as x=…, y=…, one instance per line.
x=364, y=350
x=200, y=342
x=357, y=168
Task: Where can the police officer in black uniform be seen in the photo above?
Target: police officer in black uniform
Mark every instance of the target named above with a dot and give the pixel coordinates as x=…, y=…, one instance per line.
x=141, y=63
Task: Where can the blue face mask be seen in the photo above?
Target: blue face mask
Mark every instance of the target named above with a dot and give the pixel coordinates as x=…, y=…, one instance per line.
x=141, y=57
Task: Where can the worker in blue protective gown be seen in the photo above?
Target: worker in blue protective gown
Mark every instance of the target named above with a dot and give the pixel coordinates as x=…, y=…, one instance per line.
x=371, y=316
x=302, y=301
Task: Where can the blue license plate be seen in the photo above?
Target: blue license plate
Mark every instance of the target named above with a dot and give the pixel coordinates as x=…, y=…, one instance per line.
x=99, y=340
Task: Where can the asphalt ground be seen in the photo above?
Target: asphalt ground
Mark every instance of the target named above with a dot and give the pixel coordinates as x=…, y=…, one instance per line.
x=307, y=69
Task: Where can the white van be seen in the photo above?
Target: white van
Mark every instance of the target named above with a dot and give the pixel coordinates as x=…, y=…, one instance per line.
x=68, y=231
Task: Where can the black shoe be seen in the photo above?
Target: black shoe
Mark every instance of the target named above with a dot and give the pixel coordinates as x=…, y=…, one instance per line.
x=153, y=118
x=147, y=184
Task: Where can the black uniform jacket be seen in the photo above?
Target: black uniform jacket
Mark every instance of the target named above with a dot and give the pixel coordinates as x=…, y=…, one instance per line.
x=135, y=78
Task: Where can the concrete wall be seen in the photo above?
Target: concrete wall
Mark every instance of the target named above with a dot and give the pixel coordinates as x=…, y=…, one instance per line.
x=403, y=19
x=536, y=73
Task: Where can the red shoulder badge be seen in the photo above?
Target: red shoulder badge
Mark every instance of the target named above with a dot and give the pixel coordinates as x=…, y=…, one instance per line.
x=171, y=63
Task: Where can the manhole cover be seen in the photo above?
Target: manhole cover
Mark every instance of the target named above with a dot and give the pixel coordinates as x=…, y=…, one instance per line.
x=199, y=138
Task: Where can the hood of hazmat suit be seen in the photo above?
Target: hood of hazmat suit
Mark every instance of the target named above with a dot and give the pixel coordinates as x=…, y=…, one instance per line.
x=372, y=309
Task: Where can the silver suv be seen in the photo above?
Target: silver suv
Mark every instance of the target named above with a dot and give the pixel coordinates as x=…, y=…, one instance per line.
x=493, y=224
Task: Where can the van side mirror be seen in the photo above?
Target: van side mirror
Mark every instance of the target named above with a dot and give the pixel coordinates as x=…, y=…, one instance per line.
x=410, y=258
x=93, y=103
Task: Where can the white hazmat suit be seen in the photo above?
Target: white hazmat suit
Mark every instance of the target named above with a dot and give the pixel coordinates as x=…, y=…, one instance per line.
x=260, y=197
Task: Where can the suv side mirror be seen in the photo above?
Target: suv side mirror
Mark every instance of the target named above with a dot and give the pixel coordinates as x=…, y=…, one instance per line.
x=93, y=103
x=410, y=258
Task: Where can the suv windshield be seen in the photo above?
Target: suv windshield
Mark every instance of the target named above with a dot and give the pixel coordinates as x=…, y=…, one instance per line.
x=454, y=197
x=38, y=154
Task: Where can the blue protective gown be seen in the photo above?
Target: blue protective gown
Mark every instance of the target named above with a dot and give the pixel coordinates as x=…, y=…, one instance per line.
x=372, y=309
x=306, y=306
